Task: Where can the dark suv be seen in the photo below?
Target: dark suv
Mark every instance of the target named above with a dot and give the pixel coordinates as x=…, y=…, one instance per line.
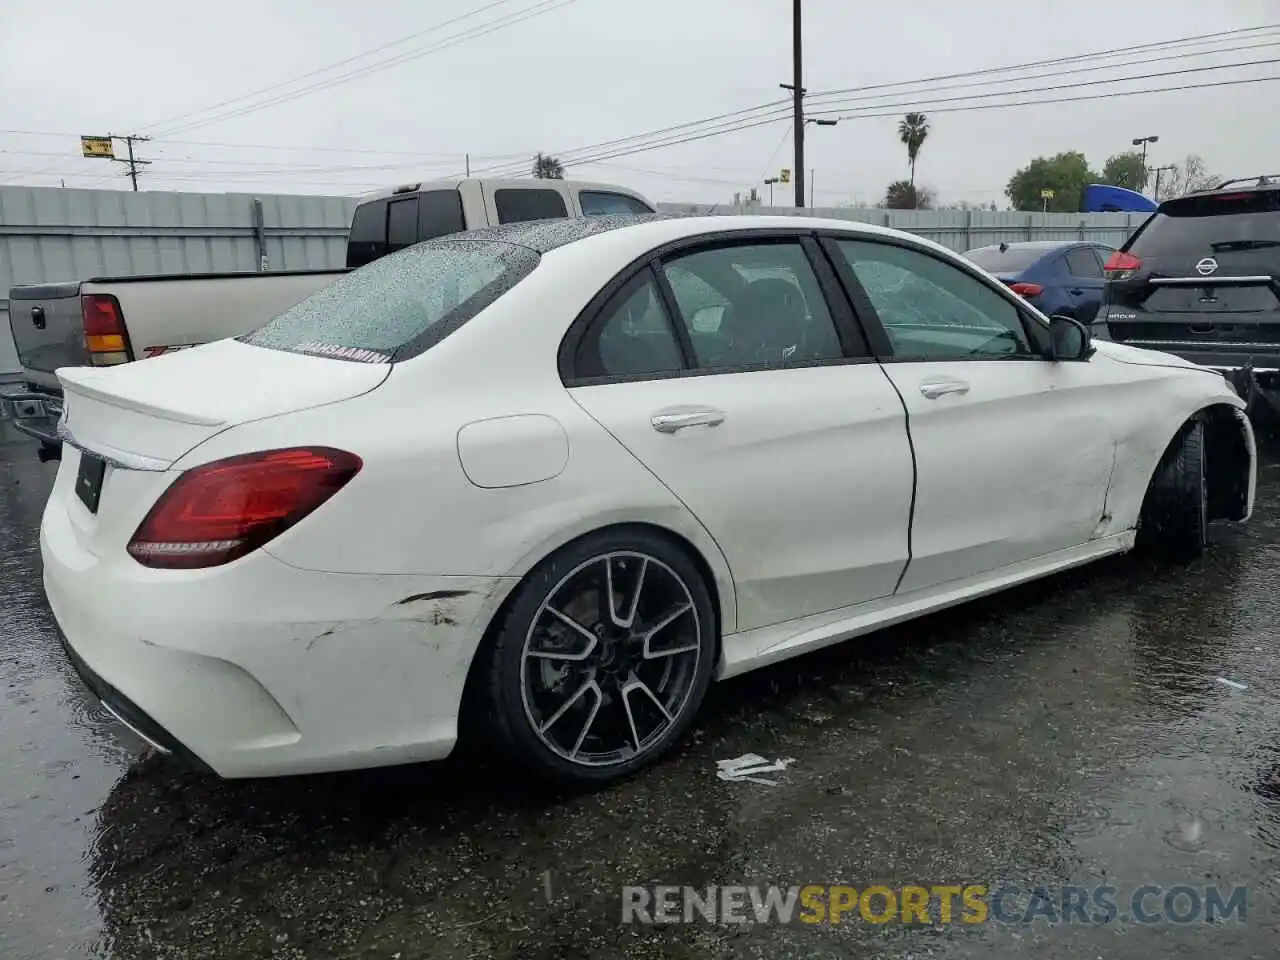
x=1201, y=279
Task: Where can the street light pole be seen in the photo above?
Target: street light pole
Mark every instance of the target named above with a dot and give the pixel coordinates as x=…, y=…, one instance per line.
x=1142, y=142
x=769, y=183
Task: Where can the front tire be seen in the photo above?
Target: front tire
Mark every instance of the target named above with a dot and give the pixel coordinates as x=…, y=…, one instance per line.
x=1175, y=513
x=602, y=658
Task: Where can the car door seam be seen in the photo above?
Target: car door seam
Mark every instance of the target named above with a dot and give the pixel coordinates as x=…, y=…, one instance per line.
x=915, y=475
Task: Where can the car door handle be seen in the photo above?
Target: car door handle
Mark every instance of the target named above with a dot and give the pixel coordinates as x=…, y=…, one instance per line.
x=1076, y=291
x=669, y=421
x=940, y=388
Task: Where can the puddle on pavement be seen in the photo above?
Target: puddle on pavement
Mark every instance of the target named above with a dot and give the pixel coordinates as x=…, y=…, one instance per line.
x=1073, y=731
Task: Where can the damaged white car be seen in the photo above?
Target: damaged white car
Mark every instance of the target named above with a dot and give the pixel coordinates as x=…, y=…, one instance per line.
x=553, y=478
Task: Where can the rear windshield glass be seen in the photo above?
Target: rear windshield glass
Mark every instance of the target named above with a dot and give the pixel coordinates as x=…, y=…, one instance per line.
x=399, y=305
x=1012, y=260
x=1202, y=226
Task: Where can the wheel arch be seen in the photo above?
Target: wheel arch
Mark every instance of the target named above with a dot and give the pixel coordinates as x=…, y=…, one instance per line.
x=1230, y=458
x=723, y=601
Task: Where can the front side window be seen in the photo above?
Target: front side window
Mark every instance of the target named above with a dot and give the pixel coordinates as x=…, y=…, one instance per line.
x=598, y=203
x=391, y=308
x=632, y=336
x=518, y=204
x=752, y=305
x=932, y=310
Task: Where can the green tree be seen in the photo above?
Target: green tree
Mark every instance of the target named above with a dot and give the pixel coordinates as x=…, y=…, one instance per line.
x=904, y=195
x=1066, y=174
x=546, y=167
x=912, y=131
x=1126, y=170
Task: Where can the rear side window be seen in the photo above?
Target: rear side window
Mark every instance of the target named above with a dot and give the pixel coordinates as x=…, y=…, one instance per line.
x=1083, y=262
x=1186, y=229
x=439, y=214
x=400, y=305
x=368, y=238
x=516, y=205
x=598, y=203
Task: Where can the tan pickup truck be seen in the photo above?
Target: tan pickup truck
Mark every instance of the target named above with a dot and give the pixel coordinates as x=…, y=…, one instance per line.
x=109, y=320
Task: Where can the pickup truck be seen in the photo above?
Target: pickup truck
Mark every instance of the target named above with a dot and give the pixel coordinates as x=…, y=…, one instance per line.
x=104, y=321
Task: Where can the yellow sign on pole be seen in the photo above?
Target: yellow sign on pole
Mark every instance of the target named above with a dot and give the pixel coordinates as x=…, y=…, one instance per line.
x=784, y=175
x=1046, y=194
x=98, y=147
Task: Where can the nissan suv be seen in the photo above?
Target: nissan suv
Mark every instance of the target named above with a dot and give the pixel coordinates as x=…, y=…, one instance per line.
x=1201, y=279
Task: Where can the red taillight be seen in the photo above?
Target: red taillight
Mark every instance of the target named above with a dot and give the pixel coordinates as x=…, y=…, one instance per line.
x=104, y=332
x=1121, y=266
x=222, y=510
x=1026, y=289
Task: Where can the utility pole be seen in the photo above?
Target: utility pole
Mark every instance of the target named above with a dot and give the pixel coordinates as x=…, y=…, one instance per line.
x=133, y=162
x=797, y=92
x=468, y=165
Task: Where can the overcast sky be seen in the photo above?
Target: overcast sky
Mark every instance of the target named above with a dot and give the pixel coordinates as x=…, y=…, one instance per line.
x=580, y=72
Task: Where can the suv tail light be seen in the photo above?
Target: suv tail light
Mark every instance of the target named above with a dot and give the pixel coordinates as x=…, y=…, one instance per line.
x=222, y=510
x=104, y=333
x=1121, y=266
x=1026, y=289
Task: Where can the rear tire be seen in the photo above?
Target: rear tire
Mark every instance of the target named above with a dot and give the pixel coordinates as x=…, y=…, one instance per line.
x=585, y=690
x=1175, y=513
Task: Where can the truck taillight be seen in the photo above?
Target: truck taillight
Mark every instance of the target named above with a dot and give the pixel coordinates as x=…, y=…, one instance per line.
x=104, y=334
x=217, y=512
x=1121, y=266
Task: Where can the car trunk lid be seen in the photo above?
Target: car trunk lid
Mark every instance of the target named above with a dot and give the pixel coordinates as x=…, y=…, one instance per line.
x=127, y=426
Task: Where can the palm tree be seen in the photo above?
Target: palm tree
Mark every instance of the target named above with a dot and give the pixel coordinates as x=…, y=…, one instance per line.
x=912, y=130
x=546, y=167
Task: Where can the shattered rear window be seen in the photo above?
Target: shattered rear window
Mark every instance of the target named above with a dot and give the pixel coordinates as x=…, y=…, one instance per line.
x=401, y=304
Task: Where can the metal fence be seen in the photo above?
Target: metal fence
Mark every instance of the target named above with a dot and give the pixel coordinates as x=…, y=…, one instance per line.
x=960, y=230
x=52, y=234
x=49, y=234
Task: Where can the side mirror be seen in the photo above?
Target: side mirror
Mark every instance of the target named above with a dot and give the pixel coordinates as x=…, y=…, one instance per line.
x=1068, y=339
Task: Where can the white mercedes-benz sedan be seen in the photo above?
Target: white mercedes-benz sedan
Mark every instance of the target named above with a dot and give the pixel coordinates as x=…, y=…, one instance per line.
x=553, y=478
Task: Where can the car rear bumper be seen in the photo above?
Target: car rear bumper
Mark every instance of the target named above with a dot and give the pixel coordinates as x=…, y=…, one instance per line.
x=261, y=669
x=34, y=413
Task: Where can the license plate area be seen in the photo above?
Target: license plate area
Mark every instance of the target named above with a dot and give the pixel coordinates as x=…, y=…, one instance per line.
x=89, y=480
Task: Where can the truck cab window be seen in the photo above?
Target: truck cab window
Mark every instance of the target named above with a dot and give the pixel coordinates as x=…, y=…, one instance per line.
x=439, y=214
x=368, y=238
x=402, y=224
x=516, y=205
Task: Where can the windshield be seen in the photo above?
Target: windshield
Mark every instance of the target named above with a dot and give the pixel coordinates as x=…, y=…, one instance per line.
x=399, y=305
x=1010, y=260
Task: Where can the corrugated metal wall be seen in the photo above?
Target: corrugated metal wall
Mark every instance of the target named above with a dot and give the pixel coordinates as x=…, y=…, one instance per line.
x=51, y=234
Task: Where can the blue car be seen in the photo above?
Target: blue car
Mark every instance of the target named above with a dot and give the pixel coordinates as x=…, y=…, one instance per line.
x=1056, y=277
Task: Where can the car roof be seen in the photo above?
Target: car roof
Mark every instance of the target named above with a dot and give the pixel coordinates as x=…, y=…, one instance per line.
x=1045, y=245
x=543, y=236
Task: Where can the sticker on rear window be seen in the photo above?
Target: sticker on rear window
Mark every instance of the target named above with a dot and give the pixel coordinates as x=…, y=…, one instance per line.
x=360, y=354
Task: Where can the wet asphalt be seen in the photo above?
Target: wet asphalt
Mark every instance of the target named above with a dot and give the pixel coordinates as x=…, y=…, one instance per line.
x=1073, y=731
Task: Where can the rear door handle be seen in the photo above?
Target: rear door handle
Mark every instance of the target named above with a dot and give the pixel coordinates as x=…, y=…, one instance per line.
x=677, y=418
x=940, y=388
x=1077, y=291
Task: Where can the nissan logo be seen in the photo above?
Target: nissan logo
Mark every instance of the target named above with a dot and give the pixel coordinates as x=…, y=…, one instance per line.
x=1206, y=266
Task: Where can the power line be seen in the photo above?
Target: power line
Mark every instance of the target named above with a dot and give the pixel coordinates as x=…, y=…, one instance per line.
x=540, y=8
x=1157, y=44
x=779, y=109
x=332, y=66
